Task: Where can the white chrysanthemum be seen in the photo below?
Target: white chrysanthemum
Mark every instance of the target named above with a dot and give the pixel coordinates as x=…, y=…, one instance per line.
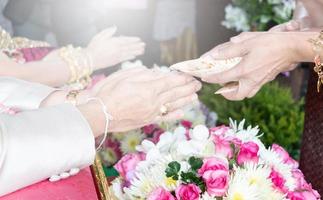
x=272, y=159
x=239, y=189
x=236, y=18
x=251, y=182
x=206, y=196
x=116, y=188
x=250, y=134
x=150, y=177
x=131, y=140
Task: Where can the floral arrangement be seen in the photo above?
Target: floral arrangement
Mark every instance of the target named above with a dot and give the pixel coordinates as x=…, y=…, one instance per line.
x=120, y=144
x=257, y=14
x=228, y=163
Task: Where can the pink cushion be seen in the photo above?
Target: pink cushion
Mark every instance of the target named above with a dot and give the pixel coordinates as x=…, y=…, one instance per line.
x=79, y=187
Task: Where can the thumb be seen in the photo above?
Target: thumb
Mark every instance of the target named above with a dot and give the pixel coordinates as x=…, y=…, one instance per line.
x=107, y=33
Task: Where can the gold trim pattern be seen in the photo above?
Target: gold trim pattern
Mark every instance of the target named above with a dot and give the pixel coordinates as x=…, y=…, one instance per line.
x=12, y=43
x=101, y=180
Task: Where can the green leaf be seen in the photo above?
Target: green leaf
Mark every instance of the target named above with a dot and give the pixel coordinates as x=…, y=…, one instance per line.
x=279, y=116
x=191, y=177
x=196, y=163
x=173, y=169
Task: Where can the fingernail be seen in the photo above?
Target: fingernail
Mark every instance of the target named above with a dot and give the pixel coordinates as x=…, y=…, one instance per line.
x=194, y=97
x=226, y=90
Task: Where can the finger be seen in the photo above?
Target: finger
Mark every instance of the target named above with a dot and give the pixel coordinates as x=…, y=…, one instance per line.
x=170, y=80
x=255, y=90
x=172, y=116
x=231, y=75
x=107, y=33
x=270, y=77
x=182, y=102
x=245, y=87
x=244, y=36
x=129, y=40
x=221, y=46
x=230, y=50
x=183, y=91
x=133, y=46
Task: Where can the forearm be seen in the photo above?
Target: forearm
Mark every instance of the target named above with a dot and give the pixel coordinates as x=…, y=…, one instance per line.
x=302, y=49
x=51, y=71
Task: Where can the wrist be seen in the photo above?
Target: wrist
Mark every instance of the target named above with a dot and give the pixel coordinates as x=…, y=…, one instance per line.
x=93, y=114
x=301, y=48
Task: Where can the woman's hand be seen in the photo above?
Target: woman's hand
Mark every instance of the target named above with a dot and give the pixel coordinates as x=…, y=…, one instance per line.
x=134, y=97
x=265, y=55
x=107, y=51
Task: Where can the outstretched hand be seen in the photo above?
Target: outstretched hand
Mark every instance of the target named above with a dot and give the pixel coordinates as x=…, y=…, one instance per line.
x=265, y=55
x=107, y=50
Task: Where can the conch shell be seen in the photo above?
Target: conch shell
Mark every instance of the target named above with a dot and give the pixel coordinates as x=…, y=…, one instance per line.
x=208, y=65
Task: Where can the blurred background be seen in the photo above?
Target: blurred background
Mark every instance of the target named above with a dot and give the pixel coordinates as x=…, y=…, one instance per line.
x=196, y=23
x=176, y=30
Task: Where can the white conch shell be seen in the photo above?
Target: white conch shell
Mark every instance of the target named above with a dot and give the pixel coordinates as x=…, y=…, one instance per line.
x=202, y=66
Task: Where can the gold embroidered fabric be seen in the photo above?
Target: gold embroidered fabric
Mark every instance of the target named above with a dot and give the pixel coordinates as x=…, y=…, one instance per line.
x=12, y=43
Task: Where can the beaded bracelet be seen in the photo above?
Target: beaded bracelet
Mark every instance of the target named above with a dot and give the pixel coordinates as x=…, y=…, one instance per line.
x=318, y=68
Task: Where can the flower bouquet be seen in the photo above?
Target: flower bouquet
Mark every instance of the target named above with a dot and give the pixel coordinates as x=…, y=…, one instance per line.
x=228, y=163
x=120, y=144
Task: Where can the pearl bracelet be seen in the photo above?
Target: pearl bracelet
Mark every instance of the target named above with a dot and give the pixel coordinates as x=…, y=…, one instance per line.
x=108, y=118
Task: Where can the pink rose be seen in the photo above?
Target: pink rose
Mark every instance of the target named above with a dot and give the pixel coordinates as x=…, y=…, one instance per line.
x=278, y=181
x=217, y=182
x=223, y=146
x=156, y=135
x=160, y=194
x=309, y=192
x=186, y=124
x=303, y=195
x=299, y=177
x=149, y=129
x=213, y=164
x=188, y=192
x=285, y=156
x=248, y=153
x=219, y=130
x=127, y=165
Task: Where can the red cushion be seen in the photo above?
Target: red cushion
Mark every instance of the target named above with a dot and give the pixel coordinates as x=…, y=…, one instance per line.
x=79, y=187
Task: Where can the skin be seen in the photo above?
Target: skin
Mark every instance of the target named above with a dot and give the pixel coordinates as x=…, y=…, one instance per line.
x=263, y=62
x=134, y=97
x=105, y=50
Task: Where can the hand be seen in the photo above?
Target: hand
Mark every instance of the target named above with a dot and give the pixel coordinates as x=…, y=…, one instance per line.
x=134, y=97
x=107, y=51
x=264, y=56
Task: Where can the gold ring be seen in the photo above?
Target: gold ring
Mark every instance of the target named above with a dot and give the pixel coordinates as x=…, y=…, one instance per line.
x=163, y=110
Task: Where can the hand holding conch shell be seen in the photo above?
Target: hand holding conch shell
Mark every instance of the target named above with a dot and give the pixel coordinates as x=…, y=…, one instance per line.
x=207, y=65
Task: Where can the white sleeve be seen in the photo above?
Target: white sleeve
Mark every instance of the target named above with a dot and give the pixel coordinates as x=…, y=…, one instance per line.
x=37, y=144
x=22, y=94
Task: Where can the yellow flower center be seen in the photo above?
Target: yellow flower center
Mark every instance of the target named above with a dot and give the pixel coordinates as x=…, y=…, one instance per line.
x=237, y=196
x=133, y=144
x=170, y=181
x=253, y=181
